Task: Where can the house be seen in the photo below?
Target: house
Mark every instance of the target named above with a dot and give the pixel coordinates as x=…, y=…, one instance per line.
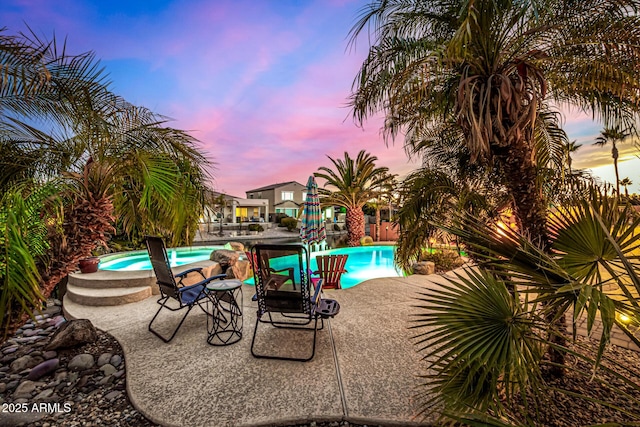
x=234, y=209
x=284, y=197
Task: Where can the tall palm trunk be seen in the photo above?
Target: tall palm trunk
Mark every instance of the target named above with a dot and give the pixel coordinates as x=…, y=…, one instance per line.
x=378, y=221
x=614, y=154
x=355, y=225
x=531, y=213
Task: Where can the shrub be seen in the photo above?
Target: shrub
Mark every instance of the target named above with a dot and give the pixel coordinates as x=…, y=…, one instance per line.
x=279, y=217
x=290, y=223
x=444, y=260
x=256, y=227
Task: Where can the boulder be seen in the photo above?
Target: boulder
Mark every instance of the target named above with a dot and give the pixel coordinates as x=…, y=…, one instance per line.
x=224, y=257
x=72, y=334
x=207, y=271
x=424, y=267
x=236, y=246
x=241, y=270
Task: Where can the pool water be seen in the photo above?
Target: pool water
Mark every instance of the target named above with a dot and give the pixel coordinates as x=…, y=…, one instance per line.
x=363, y=263
x=139, y=260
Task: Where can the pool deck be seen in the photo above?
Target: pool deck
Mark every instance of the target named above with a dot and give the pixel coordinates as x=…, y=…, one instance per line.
x=365, y=369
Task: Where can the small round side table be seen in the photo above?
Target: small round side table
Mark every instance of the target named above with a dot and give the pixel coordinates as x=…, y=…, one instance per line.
x=224, y=326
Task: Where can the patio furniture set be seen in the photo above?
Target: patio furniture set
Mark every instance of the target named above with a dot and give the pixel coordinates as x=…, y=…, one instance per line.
x=287, y=294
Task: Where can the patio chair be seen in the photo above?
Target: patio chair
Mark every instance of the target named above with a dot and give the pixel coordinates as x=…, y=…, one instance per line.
x=271, y=276
x=186, y=296
x=330, y=269
x=289, y=307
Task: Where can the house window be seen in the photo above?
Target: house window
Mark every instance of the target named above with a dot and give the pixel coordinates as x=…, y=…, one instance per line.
x=293, y=213
x=304, y=195
x=287, y=195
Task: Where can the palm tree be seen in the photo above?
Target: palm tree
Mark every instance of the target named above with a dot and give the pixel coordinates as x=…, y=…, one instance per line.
x=571, y=147
x=492, y=68
x=351, y=185
x=106, y=158
x=613, y=135
x=489, y=344
x=383, y=197
x=625, y=183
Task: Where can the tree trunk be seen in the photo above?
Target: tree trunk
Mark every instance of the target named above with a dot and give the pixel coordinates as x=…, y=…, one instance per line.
x=530, y=209
x=355, y=225
x=83, y=229
x=377, y=236
x=614, y=154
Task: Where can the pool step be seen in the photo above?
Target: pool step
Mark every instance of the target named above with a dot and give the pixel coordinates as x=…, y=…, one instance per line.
x=107, y=296
x=109, y=288
x=112, y=279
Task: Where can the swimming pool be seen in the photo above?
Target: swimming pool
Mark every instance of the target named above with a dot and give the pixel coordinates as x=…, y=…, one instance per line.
x=363, y=263
x=139, y=260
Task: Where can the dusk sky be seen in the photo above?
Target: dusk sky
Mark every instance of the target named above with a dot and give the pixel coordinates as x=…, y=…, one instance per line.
x=263, y=84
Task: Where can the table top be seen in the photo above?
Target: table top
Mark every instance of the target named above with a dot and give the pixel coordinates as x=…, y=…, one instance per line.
x=224, y=285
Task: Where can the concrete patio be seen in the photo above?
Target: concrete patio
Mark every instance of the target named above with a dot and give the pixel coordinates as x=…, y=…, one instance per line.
x=365, y=369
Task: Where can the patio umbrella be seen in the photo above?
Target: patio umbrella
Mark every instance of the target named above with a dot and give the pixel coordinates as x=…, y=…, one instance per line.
x=312, y=229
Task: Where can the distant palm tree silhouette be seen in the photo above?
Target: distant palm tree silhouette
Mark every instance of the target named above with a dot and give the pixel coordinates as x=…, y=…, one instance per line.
x=625, y=183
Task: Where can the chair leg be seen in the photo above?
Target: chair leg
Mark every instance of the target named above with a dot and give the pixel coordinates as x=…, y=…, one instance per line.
x=166, y=340
x=296, y=359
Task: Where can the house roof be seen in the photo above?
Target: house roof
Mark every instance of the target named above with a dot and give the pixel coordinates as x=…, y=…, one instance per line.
x=217, y=193
x=274, y=186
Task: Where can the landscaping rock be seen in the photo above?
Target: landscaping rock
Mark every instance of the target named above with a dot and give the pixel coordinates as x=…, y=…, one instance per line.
x=224, y=257
x=424, y=267
x=104, y=359
x=22, y=363
x=49, y=354
x=25, y=389
x=236, y=246
x=44, y=368
x=116, y=360
x=81, y=362
x=44, y=394
x=240, y=270
x=73, y=333
x=108, y=369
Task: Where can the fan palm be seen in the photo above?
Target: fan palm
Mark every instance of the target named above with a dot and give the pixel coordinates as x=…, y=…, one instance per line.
x=487, y=343
x=613, y=135
x=493, y=67
x=352, y=183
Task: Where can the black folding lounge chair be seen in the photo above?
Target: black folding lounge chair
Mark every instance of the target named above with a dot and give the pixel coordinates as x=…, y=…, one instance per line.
x=289, y=306
x=186, y=296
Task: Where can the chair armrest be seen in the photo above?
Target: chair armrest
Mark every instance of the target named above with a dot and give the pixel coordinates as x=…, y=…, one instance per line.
x=216, y=277
x=191, y=270
x=289, y=269
x=204, y=282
